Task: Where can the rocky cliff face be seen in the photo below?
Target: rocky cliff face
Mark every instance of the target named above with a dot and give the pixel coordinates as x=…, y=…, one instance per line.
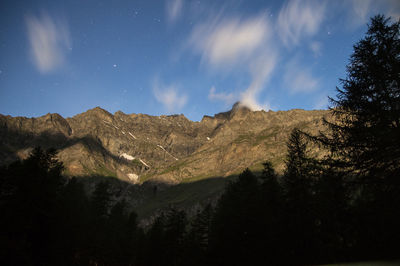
x=170, y=149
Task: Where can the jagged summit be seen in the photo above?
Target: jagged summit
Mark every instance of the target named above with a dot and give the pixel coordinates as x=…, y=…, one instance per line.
x=92, y=115
x=239, y=107
x=237, y=110
x=98, y=110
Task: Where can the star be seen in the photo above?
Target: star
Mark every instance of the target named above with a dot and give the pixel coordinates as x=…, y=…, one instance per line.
x=115, y=65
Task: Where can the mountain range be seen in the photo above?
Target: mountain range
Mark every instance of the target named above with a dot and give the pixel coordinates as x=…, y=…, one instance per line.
x=169, y=150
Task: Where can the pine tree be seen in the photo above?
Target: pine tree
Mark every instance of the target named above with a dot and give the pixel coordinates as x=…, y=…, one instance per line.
x=99, y=234
x=364, y=140
x=367, y=109
x=299, y=168
x=297, y=183
x=235, y=226
x=155, y=242
x=175, y=234
x=271, y=245
x=100, y=200
x=200, y=229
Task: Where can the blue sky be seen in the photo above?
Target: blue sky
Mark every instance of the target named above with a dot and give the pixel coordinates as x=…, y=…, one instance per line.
x=176, y=56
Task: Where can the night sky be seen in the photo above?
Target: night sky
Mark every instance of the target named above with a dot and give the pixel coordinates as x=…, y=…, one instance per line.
x=167, y=57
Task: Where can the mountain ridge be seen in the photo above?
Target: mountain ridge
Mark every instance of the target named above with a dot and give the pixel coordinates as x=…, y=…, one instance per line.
x=167, y=148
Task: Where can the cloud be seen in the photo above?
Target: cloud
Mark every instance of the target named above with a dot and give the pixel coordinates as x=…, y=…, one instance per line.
x=361, y=8
x=227, y=98
x=174, y=9
x=299, y=78
x=261, y=70
x=234, y=43
x=299, y=19
x=316, y=48
x=226, y=42
x=170, y=97
x=393, y=7
x=49, y=42
x=359, y=12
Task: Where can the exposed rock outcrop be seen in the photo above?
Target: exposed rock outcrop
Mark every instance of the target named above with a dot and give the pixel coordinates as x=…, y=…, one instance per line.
x=139, y=147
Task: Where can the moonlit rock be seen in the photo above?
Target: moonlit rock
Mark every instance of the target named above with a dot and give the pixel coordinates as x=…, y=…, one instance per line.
x=133, y=177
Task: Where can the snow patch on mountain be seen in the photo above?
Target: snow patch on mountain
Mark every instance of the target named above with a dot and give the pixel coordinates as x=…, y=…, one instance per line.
x=145, y=164
x=132, y=135
x=127, y=156
x=161, y=147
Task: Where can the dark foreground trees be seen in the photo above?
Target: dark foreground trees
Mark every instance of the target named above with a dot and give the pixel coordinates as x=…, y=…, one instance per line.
x=48, y=220
x=364, y=139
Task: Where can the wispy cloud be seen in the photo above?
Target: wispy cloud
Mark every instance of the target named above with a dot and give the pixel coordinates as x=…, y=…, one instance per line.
x=170, y=96
x=174, y=9
x=298, y=78
x=299, y=19
x=361, y=8
x=227, y=98
x=49, y=41
x=393, y=7
x=253, y=45
x=234, y=43
x=359, y=12
x=261, y=69
x=316, y=48
x=228, y=41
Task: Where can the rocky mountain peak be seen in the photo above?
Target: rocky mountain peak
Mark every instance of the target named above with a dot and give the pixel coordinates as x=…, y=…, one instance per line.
x=95, y=113
x=56, y=121
x=98, y=110
x=238, y=111
x=237, y=105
